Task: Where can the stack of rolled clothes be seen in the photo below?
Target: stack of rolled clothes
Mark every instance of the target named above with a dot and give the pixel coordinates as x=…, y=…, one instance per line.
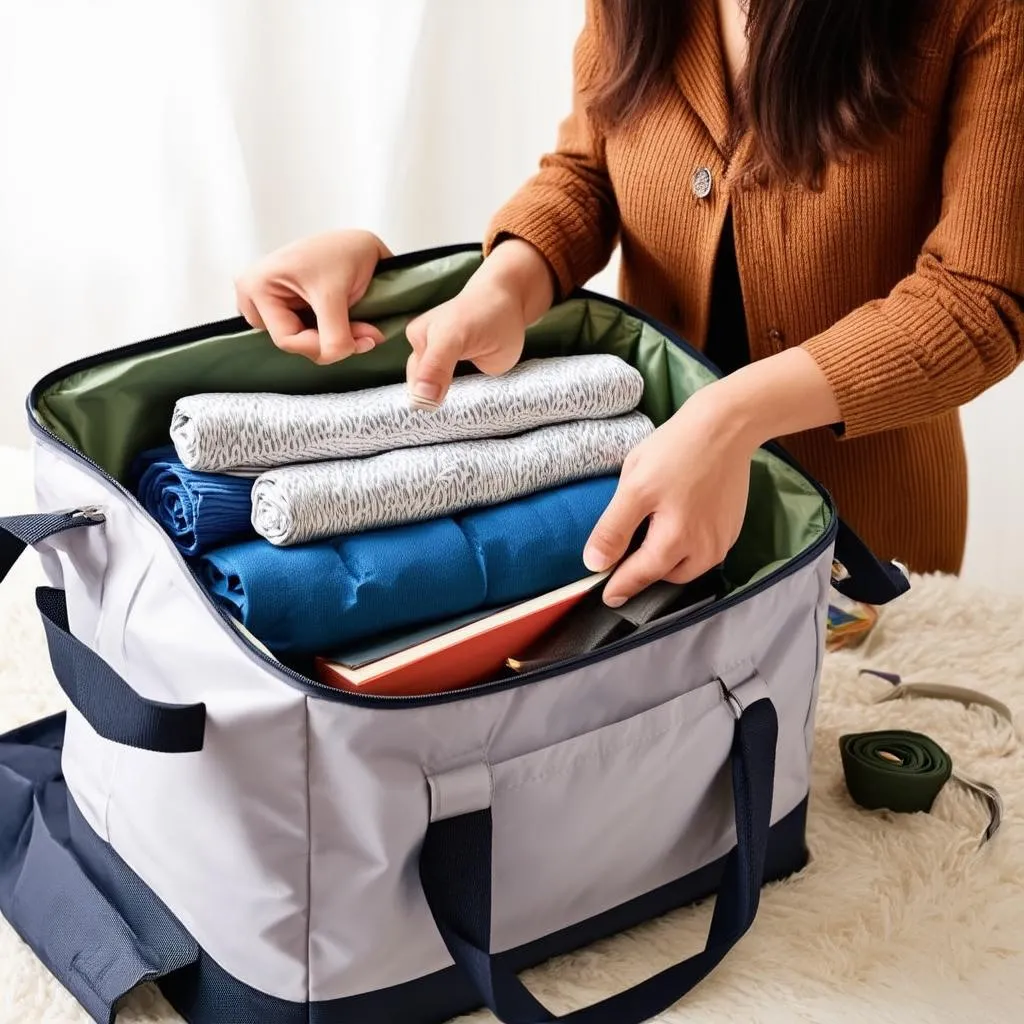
x=323, y=520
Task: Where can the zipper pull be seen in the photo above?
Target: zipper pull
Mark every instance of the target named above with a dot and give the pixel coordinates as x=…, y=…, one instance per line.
x=91, y=512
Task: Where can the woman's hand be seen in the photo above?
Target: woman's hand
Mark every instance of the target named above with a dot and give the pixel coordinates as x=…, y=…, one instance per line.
x=690, y=479
x=327, y=274
x=484, y=324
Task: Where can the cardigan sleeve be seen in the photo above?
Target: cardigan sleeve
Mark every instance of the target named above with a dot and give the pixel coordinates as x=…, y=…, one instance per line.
x=956, y=325
x=568, y=210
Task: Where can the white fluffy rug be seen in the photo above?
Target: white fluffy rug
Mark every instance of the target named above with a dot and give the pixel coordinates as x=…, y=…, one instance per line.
x=897, y=918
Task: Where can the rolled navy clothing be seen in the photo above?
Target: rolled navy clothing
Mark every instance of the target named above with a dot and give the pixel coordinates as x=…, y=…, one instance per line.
x=323, y=596
x=199, y=511
x=296, y=504
x=245, y=432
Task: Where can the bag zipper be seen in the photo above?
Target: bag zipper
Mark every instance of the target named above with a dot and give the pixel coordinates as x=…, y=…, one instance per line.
x=322, y=690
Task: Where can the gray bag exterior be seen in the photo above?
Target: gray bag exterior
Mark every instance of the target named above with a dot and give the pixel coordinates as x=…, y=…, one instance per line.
x=287, y=847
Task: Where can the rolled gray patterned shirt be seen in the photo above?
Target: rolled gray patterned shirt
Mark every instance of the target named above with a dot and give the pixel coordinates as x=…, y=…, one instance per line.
x=296, y=504
x=221, y=433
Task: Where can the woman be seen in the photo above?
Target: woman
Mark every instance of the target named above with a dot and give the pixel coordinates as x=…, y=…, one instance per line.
x=827, y=196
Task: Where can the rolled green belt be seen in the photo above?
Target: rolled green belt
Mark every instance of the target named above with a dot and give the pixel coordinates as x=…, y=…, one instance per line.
x=896, y=770
x=904, y=772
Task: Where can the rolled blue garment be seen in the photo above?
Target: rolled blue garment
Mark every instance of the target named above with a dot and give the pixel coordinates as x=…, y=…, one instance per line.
x=319, y=597
x=535, y=544
x=198, y=510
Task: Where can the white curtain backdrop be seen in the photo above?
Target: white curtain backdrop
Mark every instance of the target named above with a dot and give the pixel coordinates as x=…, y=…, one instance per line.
x=150, y=150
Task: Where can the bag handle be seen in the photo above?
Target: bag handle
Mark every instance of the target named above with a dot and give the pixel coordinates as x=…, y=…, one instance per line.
x=105, y=700
x=102, y=697
x=455, y=870
x=860, y=576
x=18, y=532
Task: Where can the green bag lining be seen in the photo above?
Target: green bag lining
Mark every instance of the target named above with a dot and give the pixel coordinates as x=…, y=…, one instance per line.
x=112, y=412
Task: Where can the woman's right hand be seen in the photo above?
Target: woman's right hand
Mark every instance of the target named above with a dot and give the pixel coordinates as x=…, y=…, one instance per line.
x=327, y=274
x=484, y=324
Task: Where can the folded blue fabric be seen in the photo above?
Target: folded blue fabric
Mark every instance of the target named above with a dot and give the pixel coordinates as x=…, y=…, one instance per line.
x=315, y=598
x=198, y=510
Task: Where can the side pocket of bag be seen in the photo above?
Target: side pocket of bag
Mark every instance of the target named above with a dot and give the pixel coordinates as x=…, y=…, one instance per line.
x=592, y=822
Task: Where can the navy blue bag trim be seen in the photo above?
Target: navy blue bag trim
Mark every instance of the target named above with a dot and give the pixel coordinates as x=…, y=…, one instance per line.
x=105, y=700
x=860, y=576
x=98, y=948
x=127, y=935
x=100, y=695
x=455, y=869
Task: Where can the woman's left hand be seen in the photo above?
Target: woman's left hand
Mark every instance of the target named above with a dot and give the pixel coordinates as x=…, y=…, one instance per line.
x=690, y=479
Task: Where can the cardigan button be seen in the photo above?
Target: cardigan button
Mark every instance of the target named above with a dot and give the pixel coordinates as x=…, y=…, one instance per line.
x=776, y=337
x=702, y=182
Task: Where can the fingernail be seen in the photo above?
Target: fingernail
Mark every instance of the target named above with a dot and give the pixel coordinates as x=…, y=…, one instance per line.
x=595, y=561
x=615, y=602
x=426, y=396
x=364, y=345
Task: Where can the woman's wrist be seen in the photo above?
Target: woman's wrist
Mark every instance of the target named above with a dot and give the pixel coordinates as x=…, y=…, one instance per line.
x=520, y=270
x=784, y=394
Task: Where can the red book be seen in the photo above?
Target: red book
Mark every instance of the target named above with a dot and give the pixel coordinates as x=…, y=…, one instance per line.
x=469, y=654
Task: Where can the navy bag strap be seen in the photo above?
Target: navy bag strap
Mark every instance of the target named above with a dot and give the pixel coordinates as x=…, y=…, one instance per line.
x=860, y=576
x=455, y=870
x=104, y=699
x=18, y=532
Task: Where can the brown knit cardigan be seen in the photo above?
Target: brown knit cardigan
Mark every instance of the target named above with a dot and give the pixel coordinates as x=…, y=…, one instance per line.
x=903, y=277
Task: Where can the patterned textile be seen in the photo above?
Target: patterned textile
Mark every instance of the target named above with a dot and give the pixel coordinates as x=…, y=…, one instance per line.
x=224, y=432
x=302, y=503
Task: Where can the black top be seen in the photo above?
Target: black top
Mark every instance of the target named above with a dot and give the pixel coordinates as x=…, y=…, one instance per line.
x=728, y=346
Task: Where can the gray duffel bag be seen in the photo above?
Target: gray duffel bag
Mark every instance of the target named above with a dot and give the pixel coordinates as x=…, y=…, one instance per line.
x=268, y=849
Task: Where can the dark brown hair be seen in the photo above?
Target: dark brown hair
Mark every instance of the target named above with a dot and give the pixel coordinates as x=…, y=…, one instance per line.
x=824, y=78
